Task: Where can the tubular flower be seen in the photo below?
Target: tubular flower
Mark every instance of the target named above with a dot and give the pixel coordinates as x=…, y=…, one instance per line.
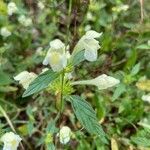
x=64, y=134
x=102, y=82
x=11, y=8
x=89, y=44
x=56, y=56
x=25, y=78
x=11, y=141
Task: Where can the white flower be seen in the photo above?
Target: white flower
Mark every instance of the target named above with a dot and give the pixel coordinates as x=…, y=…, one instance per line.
x=5, y=32
x=56, y=56
x=146, y=98
x=25, y=21
x=57, y=45
x=87, y=27
x=39, y=51
x=41, y=5
x=64, y=134
x=25, y=78
x=120, y=8
x=102, y=82
x=11, y=141
x=68, y=55
x=89, y=16
x=89, y=44
x=11, y=8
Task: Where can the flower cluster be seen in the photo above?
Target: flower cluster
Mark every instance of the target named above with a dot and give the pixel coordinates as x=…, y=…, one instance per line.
x=64, y=134
x=58, y=57
x=11, y=8
x=25, y=21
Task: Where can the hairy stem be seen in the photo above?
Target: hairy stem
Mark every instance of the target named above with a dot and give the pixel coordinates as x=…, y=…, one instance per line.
x=63, y=72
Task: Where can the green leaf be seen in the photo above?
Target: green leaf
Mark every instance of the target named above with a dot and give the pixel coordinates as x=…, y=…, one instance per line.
x=5, y=89
x=100, y=106
x=135, y=69
x=142, y=138
x=119, y=90
x=77, y=58
x=131, y=60
x=87, y=117
x=4, y=78
x=51, y=127
x=41, y=82
x=143, y=46
x=50, y=146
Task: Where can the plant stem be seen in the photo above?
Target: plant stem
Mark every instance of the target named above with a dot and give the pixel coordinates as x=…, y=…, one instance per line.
x=62, y=91
x=66, y=43
x=9, y=122
x=63, y=72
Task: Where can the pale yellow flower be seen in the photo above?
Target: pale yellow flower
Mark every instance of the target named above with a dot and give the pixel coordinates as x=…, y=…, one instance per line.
x=89, y=44
x=56, y=56
x=102, y=82
x=11, y=141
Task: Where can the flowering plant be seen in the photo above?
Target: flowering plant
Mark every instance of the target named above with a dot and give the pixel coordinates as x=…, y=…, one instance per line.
x=56, y=78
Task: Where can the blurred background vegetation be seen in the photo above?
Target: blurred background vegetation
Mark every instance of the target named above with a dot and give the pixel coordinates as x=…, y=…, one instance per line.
x=124, y=53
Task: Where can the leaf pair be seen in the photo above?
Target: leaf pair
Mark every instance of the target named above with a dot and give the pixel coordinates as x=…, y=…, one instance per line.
x=44, y=79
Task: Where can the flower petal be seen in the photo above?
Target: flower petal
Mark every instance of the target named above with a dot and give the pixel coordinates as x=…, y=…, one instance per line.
x=57, y=44
x=90, y=55
x=91, y=34
x=21, y=75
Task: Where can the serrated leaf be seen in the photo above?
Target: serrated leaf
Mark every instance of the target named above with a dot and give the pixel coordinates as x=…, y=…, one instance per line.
x=142, y=138
x=77, y=58
x=41, y=82
x=141, y=141
x=87, y=117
